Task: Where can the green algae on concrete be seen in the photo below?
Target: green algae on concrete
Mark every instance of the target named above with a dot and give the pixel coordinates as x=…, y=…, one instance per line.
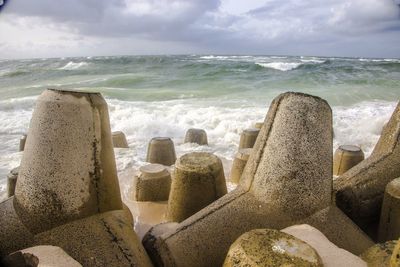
x=198, y=181
x=345, y=158
x=161, y=150
x=379, y=255
x=287, y=180
x=197, y=136
x=270, y=248
x=152, y=184
x=359, y=191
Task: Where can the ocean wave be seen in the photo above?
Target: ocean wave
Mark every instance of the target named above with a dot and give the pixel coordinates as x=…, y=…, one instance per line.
x=74, y=65
x=282, y=66
x=318, y=61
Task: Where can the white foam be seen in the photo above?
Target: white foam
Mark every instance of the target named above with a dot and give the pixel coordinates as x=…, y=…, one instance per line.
x=74, y=65
x=282, y=66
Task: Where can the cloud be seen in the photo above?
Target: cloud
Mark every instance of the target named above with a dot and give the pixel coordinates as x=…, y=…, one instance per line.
x=225, y=26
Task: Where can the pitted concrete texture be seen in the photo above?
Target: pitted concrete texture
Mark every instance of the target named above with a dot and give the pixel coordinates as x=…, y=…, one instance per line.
x=102, y=240
x=161, y=150
x=331, y=255
x=270, y=248
x=40, y=256
x=287, y=180
x=248, y=138
x=13, y=233
x=68, y=168
x=22, y=142
x=197, y=136
x=395, y=258
x=198, y=181
x=359, y=191
x=119, y=140
x=12, y=181
x=239, y=163
x=345, y=158
x=152, y=184
x=389, y=225
x=379, y=255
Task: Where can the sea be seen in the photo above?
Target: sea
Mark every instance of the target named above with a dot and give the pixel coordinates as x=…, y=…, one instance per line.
x=153, y=96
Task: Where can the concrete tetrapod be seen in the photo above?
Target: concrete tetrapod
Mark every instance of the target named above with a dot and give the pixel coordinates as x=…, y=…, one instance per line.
x=379, y=255
x=345, y=158
x=198, y=181
x=152, y=184
x=239, y=163
x=12, y=181
x=287, y=180
x=67, y=170
x=389, y=225
x=271, y=248
x=359, y=191
x=248, y=138
x=119, y=140
x=22, y=142
x=106, y=239
x=198, y=136
x=161, y=150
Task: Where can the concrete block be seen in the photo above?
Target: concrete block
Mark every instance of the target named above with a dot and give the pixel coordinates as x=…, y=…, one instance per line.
x=12, y=181
x=269, y=247
x=248, y=138
x=152, y=184
x=389, y=225
x=345, y=158
x=239, y=163
x=105, y=239
x=198, y=136
x=359, y=191
x=198, y=181
x=287, y=180
x=161, y=150
x=119, y=140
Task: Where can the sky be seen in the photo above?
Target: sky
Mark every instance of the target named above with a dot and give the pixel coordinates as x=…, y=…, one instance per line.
x=49, y=28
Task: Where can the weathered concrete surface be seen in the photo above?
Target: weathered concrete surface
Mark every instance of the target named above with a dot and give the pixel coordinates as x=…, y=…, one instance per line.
x=198, y=181
x=395, y=258
x=12, y=181
x=14, y=235
x=331, y=255
x=248, y=138
x=239, y=163
x=359, y=191
x=198, y=136
x=161, y=150
x=389, y=225
x=119, y=140
x=380, y=254
x=68, y=168
x=345, y=158
x=268, y=247
x=22, y=142
x=152, y=184
x=287, y=180
x=105, y=239
x=43, y=256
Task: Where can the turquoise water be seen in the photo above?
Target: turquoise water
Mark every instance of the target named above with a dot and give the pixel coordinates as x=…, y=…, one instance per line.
x=165, y=95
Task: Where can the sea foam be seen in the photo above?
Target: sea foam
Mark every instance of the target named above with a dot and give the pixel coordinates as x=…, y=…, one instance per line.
x=74, y=65
x=282, y=66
